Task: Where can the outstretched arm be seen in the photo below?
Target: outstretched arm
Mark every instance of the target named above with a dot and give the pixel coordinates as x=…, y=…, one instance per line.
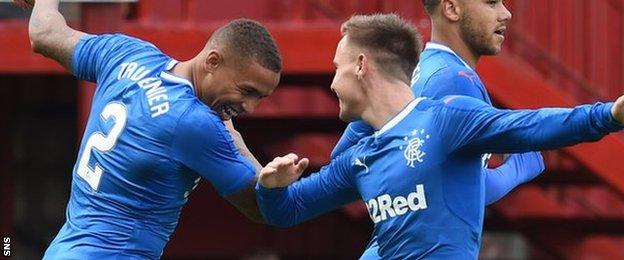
x=474, y=127
x=49, y=33
x=285, y=205
x=517, y=169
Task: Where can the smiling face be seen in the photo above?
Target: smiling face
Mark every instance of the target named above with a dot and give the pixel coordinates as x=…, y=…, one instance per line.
x=346, y=84
x=483, y=24
x=235, y=88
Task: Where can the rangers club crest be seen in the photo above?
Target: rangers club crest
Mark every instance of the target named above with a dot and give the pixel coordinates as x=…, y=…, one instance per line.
x=412, y=149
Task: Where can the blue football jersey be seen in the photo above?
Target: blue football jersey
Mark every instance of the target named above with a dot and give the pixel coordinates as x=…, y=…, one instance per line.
x=439, y=73
x=420, y=174
x=147, y=143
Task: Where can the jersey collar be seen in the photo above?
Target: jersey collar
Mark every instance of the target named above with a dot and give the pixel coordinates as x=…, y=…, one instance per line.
x=170, y=76
x=440, y=47
x=398, y=118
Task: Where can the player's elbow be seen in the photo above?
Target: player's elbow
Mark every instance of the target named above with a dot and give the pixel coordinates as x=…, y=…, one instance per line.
x=43, y=27
x=38, y=38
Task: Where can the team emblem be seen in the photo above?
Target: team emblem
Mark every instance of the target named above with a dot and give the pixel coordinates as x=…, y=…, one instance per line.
x=412, y=150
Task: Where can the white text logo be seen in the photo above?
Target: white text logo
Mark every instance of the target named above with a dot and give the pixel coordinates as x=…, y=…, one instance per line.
x=384, y=206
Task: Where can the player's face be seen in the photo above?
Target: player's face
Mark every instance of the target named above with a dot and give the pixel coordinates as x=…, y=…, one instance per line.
x=236, y=89
x=483, y=24
x=345, y=83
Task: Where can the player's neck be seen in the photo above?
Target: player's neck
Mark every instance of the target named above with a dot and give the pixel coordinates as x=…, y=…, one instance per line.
x=386, y=101
x=183, y=70
x=452, y=39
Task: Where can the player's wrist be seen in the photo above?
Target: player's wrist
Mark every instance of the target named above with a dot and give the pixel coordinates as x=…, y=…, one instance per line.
x=617, y=110
x=267, y=189
x=615, y=113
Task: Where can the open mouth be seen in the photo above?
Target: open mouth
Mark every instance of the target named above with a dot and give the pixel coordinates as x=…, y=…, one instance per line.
x=229, y=112
x=501, y=31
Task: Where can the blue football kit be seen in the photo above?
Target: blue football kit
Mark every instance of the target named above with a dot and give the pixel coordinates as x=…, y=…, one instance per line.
x=147, y=143
x=441, y=72
x=420, y=175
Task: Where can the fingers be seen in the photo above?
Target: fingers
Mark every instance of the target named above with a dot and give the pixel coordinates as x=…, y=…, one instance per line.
x=269, y=169
x=289, y=160
x=285, y=161
x=302, y=165
x=292, y=156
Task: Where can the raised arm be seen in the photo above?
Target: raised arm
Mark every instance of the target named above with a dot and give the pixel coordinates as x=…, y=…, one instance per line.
x=49, y=33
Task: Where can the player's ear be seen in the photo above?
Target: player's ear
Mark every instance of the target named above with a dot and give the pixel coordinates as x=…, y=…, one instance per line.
x=213, y=60
x=362, y=66
x=450, y=9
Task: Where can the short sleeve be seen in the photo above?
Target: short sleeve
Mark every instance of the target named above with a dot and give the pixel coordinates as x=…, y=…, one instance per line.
x=202, y=143
x=96, y=56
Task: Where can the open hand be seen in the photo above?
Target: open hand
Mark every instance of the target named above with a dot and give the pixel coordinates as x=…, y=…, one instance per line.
x=26, y=4
x=282, y=171
x=617, y=111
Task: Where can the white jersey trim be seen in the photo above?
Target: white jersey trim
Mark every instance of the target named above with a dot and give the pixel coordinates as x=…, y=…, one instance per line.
x=177, y=79
x=171, y=63
x=169, y=76
x=398, y=118
x=440, y=47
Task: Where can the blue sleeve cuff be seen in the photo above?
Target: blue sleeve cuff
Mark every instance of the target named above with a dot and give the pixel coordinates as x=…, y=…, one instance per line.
x=267, y=199
x=267, y=191
x=609, y=122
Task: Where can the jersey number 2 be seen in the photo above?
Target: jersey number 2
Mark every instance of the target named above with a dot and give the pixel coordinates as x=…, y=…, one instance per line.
x=102, y=143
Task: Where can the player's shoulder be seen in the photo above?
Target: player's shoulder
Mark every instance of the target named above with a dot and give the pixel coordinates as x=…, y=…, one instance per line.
x=437, y=61
x=454, y=102
x=197, y=112
x=457, y=73
x=117, y=45
x=351, y=152
x=445, y=65
x=198, y=120
x=119, y=38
